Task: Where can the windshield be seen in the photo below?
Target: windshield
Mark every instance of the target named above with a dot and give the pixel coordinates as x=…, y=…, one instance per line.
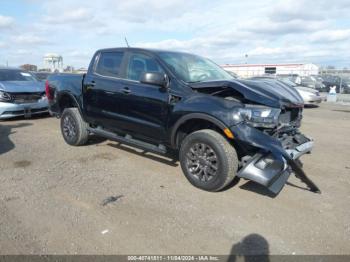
x=15, y=75
x=192, y=68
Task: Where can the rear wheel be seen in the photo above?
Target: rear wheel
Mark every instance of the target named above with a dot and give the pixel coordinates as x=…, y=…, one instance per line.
x=208, y=160
x=73, y=127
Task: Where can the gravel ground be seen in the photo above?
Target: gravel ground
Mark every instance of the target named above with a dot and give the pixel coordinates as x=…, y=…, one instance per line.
x=105, y=198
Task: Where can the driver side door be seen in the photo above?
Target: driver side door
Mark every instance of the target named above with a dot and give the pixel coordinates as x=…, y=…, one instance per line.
x=145, y=106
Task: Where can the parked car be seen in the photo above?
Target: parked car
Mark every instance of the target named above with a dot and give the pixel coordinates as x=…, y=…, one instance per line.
x=293, y=77
x=346, y=85
x=164, y=101
x=21, y=94
x=310, y=96
x=321, y=87
x=306, y=81
x=331, y=80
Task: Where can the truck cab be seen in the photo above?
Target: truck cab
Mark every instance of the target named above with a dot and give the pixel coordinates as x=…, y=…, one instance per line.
x=114, y=96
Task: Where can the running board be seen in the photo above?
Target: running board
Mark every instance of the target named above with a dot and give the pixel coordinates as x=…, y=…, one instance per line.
x=128, y=140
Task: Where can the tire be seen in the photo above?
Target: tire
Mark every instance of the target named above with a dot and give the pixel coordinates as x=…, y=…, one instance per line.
x=203, y=151
x=73, y=127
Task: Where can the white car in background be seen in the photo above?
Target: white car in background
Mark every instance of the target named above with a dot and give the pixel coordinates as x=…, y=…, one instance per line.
x=310, y=96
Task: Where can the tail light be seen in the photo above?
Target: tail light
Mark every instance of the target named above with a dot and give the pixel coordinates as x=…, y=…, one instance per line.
x=47, y=90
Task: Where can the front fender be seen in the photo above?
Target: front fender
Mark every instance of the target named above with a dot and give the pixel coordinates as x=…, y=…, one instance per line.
x=189, y=117
x=201, y=106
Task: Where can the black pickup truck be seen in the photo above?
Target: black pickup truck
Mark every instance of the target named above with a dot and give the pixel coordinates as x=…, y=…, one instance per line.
x=164, y=101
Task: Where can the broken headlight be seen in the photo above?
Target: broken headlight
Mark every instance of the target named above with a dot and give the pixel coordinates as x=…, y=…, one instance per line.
x=256, y=116
x=4, y=97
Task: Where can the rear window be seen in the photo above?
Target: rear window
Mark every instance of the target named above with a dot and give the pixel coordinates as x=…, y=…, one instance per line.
x=15, y=75
x=109, y=63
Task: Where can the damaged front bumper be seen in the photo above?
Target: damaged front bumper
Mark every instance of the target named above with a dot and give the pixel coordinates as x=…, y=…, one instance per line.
x=276, y=159
x=11, y=109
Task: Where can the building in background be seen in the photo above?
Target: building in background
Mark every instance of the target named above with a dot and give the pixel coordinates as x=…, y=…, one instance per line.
x=68, y=69
x=29, y=67
x=249, y=70
x=53, y=62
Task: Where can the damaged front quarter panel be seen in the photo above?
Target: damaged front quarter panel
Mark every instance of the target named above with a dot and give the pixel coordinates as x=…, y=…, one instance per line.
x=273, y=162
x=272, y=165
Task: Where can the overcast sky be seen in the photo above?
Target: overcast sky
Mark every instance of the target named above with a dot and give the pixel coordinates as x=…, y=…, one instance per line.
x=269, y=32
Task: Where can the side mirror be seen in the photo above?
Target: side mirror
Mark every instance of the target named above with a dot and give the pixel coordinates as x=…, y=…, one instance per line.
x=155, y=78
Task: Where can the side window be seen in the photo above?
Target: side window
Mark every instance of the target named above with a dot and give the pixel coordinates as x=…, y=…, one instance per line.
x=109, y=63
x=140, y=63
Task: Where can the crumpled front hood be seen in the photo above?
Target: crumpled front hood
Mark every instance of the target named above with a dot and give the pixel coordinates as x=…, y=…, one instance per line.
x=22, y=86
x=269, y=94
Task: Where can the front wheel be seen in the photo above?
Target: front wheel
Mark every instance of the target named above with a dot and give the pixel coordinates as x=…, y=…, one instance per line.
x=73, y=127
x=208, y=160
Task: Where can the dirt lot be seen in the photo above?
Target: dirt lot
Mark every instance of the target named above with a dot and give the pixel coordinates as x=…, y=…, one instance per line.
x=52, y=198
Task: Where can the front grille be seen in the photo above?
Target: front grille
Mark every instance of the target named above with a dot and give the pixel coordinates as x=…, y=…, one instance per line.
x=20, y=98
x=290, y=116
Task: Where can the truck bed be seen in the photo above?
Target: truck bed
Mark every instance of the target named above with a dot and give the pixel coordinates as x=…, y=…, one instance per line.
x=64, y=83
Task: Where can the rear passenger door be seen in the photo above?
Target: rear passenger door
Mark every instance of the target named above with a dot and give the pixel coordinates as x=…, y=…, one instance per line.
x=101, y=90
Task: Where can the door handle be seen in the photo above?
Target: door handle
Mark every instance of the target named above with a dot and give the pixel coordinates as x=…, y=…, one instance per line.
x=126, y=90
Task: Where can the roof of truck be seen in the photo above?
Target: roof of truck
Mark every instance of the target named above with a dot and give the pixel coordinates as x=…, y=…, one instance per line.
x=140, y=49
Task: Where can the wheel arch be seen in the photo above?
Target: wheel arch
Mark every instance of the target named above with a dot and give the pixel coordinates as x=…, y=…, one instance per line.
x=195, y=118
x=67, y=100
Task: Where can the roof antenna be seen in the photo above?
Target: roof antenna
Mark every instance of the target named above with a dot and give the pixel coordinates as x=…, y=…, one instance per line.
x=126, y=41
